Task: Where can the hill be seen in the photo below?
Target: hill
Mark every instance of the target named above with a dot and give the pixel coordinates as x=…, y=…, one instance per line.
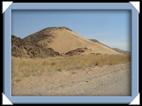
x=63, y=40
x=54, y=41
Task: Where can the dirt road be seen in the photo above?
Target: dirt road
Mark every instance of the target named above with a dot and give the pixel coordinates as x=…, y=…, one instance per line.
x=104, y=81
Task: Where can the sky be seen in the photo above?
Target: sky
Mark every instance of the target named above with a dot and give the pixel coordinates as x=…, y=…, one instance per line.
x=109, y=27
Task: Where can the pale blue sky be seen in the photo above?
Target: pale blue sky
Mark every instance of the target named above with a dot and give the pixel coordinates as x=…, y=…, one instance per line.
x=109, y=27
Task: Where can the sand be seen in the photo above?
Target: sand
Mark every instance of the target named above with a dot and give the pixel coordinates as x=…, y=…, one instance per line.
x=107, y=80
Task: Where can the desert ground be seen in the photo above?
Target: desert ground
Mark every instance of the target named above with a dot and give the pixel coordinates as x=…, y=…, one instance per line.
x=73, y=76
x=58, y=61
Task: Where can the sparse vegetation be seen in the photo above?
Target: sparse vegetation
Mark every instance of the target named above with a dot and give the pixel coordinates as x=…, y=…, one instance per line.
x=25, y=67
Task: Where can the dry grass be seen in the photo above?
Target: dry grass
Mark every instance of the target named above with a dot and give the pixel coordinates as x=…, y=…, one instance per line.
x=25, y=67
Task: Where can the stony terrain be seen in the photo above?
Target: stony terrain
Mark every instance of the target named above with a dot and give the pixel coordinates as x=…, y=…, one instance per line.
x=22, y=48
